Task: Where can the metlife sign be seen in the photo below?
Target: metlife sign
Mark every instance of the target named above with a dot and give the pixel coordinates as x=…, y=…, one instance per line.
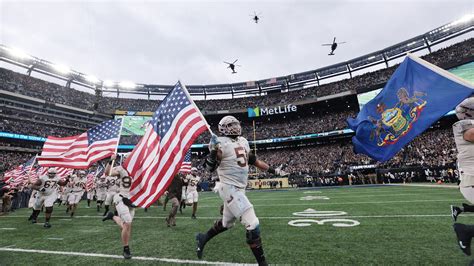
x=264, y=111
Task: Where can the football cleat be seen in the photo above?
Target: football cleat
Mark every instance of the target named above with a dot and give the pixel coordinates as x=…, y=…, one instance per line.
x=109, y=216
x=33, y=220
x=193, y=216
x=126, y=254
x=200, y=242
x=46, y=225
x=464, y=241
x=455, y=211
x=168, y=222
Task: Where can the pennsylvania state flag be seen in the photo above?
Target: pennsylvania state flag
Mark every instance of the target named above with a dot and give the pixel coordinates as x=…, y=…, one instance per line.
x=416, y=96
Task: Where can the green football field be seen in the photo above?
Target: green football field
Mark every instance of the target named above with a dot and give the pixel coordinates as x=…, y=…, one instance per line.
x=381, y=225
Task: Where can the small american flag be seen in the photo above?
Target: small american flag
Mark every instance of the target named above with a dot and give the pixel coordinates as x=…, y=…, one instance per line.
x=158, y=156
x=18, y=175
x=79, y=152
x=186, y=165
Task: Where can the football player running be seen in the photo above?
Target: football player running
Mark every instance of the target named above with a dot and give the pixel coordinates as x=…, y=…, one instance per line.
x=101, y=191
x=112, y=189
x=123, y=205
x=231, y=156
x=464, y=137
x=79, y=186
x=47, y=194
x=192, y=195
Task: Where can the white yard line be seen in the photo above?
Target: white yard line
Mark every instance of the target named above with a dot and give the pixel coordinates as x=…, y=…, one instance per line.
x=8, y=228
x=55, y=238
x=118, y=257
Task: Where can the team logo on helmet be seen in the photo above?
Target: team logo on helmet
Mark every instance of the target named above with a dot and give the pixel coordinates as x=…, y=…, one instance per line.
x=230, y=126
x=465, y=110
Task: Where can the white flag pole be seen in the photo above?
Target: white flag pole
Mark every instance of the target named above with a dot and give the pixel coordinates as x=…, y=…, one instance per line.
x=118, y=142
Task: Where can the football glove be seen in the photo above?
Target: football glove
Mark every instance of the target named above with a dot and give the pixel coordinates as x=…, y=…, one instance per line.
x=280, y=172
x=214, y=143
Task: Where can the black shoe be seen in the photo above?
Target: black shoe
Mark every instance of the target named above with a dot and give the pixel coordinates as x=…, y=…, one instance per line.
x=33, y=220
x=126, y=254
x=200, y=242
x=72, y=214
x=193, y=216
x=30, y=218
x=168, y=222
x=46, y=225
x=464, y=241
x=455, y=211
x=109, y=216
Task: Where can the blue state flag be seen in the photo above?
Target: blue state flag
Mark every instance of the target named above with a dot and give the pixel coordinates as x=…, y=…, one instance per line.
x=414, y=98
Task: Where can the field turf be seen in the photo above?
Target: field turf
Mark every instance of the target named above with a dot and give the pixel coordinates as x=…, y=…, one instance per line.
x=399, y=225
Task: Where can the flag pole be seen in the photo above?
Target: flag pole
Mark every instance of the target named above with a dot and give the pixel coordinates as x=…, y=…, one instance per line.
x=29, y=171
x=118, y=142
x=192, y=102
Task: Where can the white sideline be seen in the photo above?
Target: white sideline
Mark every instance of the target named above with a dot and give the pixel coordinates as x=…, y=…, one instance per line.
x=118, y=257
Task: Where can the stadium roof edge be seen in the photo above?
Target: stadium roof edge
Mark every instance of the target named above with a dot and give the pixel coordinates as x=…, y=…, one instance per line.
x=423, y=41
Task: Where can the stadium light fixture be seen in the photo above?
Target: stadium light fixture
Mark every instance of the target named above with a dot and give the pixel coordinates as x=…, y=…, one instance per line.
x=19, y=53
x=108, y=83
x=62, y=68
x=92, y=79
x=127, y=85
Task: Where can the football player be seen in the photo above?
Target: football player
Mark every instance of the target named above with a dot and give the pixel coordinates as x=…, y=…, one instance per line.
x=90, y=196
x=183, y=195
x=174, y=194
x=231, y=156
x=101, y=191
x=192, y=195
x=123, y=205
x=79, y=186
x=464, y=137
x=112, y=189
x=47, y=194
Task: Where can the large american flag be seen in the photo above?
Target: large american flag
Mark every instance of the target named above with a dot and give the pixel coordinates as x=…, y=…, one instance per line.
x=186, y=165
x=79, y=152
x=158, y=156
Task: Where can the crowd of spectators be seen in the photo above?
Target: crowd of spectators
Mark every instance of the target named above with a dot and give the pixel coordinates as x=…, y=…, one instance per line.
x=51, y=92
x=31, y=127
x=10, y=159
x=432, y=149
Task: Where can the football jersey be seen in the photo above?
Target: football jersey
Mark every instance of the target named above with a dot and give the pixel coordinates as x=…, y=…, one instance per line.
x=124, y=181
x=465, y=152
x=101, y=185
x=79, y=184
x=112, y=184
x=192, y=182
x=49, y=184
x=233, y=168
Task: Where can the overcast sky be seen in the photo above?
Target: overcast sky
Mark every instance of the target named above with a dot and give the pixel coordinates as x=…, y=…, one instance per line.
x=159, y=42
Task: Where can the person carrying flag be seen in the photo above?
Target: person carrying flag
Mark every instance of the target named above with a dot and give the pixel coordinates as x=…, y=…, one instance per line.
x=230, y=155
x=124, y=207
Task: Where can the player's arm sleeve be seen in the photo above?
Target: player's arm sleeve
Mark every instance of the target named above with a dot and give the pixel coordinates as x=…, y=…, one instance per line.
x=212, y=161
x=259, y=163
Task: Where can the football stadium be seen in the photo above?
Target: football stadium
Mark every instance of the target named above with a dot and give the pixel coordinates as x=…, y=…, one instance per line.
x=364, y=161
